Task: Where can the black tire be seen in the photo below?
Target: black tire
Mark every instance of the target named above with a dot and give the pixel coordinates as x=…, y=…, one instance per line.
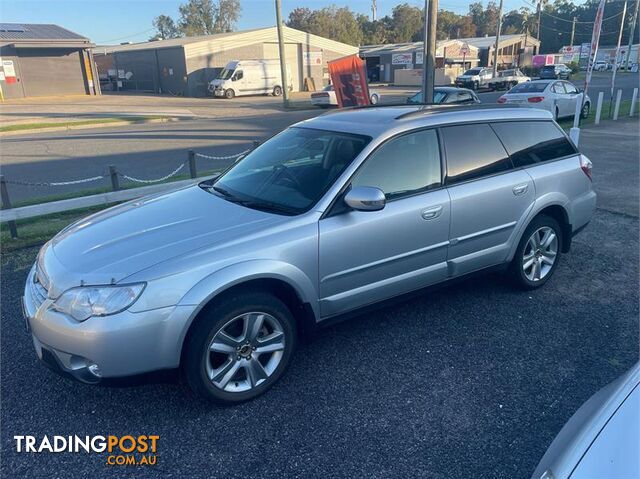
x=277, y=90
x=516, y=270
x=229, y=94
x=213, y=319
x=584, y=113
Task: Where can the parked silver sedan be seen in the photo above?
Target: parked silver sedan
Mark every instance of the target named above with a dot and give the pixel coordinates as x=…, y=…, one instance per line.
x=602, y=439
x=558, y=97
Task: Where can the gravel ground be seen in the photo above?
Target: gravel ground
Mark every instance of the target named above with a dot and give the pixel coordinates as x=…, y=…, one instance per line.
x=473, y=380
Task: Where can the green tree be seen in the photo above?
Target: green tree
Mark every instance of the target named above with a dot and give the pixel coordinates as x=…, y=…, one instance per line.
x=300, y=19
x=165, y=28
x=227, y=15
x=407, y=23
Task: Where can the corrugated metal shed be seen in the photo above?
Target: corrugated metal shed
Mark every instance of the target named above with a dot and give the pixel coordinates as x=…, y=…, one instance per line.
x=37, y=32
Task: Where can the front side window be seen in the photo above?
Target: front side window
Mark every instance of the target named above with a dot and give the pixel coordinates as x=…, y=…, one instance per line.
x=473, y=151
x=404, y=165
x=290, y=172
x=530, y=142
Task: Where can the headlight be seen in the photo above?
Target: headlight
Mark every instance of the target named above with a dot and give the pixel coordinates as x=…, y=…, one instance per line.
x=84, y=302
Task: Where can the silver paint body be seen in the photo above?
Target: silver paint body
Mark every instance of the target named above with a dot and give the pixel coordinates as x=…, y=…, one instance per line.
x=602, y=439
x=190, y=245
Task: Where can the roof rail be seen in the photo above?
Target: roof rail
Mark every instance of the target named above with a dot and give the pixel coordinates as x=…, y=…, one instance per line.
x=429, y=109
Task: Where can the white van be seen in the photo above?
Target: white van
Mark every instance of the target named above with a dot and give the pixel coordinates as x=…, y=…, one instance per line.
x=250, y=77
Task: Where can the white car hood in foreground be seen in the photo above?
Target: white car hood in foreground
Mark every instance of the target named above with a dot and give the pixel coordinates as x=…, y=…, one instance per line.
x=115, y=243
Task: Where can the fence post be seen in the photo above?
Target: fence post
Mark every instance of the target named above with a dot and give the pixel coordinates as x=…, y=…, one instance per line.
x=192, y=164
x=599, y=107
x=634, y=100
x=6, y=205
x=616, y=110
x=113, y=173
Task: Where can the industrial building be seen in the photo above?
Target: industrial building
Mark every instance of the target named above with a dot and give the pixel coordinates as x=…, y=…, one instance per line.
x=42, y=60
x=387, y=63
x=185, y=66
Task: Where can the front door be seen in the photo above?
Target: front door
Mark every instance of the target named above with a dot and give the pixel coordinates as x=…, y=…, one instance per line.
x=368, y=256
x=488, y=197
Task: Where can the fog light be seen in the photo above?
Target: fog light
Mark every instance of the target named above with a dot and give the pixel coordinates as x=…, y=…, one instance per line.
x=95, y=370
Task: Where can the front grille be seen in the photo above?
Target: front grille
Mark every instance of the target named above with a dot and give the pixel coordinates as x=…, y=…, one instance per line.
x=38, y=291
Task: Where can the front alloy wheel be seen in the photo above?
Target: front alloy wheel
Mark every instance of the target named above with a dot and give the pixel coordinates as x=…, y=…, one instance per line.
x=238, y=347
x=245, y=352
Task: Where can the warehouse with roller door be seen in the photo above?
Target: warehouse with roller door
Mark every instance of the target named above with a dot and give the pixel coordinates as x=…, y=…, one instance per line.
x=43, y=60
x=185, y=66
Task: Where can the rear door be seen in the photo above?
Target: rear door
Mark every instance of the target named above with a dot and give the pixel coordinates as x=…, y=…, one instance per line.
x=368, y=256
x=489, y=199
x=562, y=101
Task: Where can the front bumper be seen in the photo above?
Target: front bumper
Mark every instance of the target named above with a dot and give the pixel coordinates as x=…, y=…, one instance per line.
x=120, y=345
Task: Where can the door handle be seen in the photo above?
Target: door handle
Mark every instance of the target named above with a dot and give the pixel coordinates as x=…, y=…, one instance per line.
x=520, y=190
x=431, y=213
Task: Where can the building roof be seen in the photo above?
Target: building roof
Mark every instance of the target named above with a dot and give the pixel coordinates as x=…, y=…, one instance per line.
x=37, y=32
x=474, y=43
x=486, y=42
x=374, y=50
x=207, y=44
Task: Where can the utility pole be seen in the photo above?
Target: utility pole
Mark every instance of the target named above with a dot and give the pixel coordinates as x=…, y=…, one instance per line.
x=615, y=58
x=429, y=74
x=425, y=51
x=374, y=10
x=495, y=48
x=539, y=14
x=283, y=58
x=632, y=33
x=573, y=31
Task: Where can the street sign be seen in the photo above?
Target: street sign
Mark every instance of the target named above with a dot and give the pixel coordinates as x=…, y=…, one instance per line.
x=464, y=49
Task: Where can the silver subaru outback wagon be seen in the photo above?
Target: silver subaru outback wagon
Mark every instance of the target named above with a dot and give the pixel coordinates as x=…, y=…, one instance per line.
x=220, y=280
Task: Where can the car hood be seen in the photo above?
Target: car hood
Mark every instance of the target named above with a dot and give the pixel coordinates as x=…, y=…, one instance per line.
x=115, y=243
x=217, y=82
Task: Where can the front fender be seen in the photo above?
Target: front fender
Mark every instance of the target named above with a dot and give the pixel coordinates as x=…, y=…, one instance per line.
x=238, y=273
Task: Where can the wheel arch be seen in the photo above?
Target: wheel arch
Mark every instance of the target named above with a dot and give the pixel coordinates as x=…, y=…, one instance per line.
x=283, y=280
x=556, y=210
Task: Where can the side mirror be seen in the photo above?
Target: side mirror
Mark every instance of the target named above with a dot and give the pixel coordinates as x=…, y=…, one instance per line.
x=365, y=198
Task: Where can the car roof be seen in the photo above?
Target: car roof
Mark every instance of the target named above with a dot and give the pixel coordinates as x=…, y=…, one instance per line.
x=375, y=121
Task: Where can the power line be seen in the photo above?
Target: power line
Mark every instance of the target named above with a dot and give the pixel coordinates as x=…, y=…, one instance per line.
x=529, y=4
x=126, y=36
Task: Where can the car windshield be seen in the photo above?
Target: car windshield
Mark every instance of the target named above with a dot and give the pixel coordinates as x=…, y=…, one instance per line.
x=225, y=74
x=507, y=73
x=289, y=173
x=328, y=88
x=473, y=71
x=529, y=87
x=549, y=67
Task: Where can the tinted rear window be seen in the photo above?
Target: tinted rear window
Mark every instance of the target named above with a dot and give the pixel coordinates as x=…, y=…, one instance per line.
x=529, y=87
x=530, y=142
x=473, y=151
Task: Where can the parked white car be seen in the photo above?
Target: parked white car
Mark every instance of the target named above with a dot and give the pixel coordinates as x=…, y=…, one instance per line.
x=601, y=66
x=250, y=77
x=327, y=97
x=556, y=96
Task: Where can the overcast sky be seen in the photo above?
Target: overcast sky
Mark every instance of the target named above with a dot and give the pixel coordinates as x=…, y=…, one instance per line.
x=115, y=21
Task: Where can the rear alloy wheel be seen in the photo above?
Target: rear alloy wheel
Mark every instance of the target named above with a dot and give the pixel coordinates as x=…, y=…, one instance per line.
x=239, y=348
x=277, y=91
x=584, y=113
x=374, y=99
x=229, y=94
x=538, y=253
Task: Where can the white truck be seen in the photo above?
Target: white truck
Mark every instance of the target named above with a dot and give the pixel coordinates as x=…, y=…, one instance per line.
x=250, y=77
x=507, y=79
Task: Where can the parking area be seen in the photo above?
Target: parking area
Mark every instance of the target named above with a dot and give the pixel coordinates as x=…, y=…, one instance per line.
x=473, y=380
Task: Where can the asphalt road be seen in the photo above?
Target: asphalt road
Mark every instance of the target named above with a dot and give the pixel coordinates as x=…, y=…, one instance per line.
x=151, y=151
x=473, y=380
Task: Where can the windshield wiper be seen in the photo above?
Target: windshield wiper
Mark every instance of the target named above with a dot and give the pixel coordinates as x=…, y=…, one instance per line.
x=268, y=207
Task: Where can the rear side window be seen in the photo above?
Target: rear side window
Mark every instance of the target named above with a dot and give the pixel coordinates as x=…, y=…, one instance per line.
x=473, y=151
x=530, y=142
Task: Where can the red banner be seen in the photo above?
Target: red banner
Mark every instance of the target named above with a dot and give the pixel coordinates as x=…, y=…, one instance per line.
x=595, y=40
x=349, y=79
